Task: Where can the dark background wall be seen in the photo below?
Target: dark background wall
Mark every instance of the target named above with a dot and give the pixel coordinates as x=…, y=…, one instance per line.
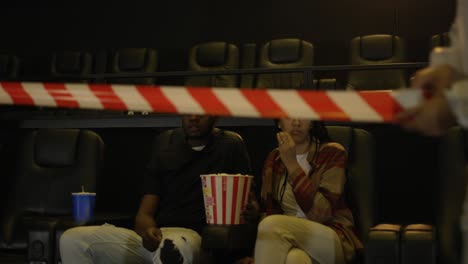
x=174, y=26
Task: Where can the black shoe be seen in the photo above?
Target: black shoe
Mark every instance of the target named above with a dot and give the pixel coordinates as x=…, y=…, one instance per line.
x=170, y=254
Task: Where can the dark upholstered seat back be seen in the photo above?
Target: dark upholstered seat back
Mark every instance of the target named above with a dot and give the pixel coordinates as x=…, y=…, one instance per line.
x=284, y=53
x=52, y=164
x=377, y=49
x=9, y=66
x=77, y=63
x=133, y=60
x=360, y=174
x=213, y=56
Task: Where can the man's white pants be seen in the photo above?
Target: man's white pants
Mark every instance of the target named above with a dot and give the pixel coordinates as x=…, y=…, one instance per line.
x=110, y=244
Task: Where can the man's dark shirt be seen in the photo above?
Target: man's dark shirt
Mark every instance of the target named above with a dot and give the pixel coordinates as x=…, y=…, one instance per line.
x=174, y=173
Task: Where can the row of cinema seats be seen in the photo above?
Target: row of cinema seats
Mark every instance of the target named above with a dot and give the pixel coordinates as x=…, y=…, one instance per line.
x=275, y=54
x=52, y=163
x=296, y=53
x=73, y=66
x=212, y=56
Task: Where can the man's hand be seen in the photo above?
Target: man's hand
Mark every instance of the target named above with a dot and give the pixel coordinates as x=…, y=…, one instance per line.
x=151, y=237
x=145, y=226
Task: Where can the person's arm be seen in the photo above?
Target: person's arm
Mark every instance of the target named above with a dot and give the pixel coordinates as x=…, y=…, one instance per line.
x=447, y=104
x=453, y=55
x=145, y=225
x=458, y=100
x=455, y=60
x=318, y=194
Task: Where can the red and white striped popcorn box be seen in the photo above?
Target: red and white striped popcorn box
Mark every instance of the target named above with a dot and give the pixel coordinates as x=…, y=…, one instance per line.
x=225, y=196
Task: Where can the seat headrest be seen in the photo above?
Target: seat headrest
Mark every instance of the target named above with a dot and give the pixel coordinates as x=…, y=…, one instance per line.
x=69, y=62
x=132, y=59
x=377, y=47
x=212, y=54
x=285, y=50
x=56, y=148
x=5, y=64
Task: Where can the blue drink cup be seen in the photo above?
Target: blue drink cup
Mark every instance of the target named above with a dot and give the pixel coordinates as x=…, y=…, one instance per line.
x=83, y=206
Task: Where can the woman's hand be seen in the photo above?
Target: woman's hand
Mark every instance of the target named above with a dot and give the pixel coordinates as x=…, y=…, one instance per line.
x=287, y=150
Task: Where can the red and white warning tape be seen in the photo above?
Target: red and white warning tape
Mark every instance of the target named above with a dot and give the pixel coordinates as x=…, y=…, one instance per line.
x=365, y=106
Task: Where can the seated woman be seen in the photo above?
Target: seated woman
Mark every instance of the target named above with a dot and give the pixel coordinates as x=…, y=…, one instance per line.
x=307, y=220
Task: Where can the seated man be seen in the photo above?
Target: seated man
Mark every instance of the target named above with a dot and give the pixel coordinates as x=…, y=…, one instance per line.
x=171, y=212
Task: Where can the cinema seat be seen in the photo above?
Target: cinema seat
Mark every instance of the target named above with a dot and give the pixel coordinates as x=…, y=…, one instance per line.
x=376, y=49
x=9, y=67
x=360, y=188
x=68, y=66
x=52, y=163
x=284, y=53
x=213, y=56
x=441, y=242
x=133, y=60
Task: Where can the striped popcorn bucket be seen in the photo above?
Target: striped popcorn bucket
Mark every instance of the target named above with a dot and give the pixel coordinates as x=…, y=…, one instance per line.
x=225, y=196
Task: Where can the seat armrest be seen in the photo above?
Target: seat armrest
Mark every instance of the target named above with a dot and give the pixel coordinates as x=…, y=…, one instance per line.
x=383, y=244
x=41, y=238
x=418, y=244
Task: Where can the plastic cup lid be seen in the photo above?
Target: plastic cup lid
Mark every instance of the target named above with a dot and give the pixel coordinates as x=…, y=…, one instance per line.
x=83, y=193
